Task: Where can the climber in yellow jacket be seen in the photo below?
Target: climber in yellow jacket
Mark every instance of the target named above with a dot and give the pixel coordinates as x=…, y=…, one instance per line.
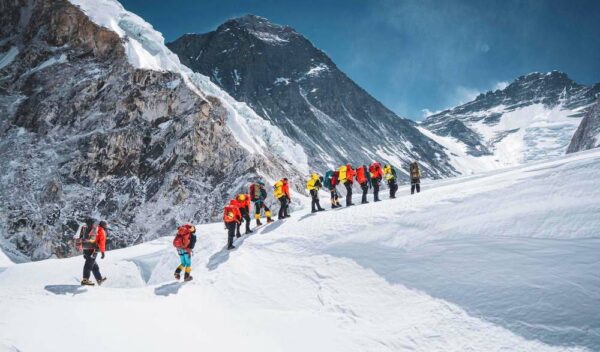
x=282, y=195
x=390, y=175
x=314, y=184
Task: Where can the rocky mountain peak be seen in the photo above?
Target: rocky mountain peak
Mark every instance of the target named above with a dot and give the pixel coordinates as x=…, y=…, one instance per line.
x=260, y=28
x=282, y=76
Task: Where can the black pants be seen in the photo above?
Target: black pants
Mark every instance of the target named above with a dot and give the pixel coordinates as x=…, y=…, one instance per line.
x=260, y=205
x=348, y=186
x=376, y=190
x=393, y=188
x=415, y=185
x=283, y=207
x=246, y=216
x=365, y=189
x=230, y=233
x=334, y=196
x=91, y=265
x=315, y=205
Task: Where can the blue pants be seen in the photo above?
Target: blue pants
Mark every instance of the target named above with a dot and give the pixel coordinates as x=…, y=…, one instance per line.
x=184, y=258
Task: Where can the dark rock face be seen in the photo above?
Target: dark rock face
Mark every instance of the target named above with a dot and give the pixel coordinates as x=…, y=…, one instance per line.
x=83, y=133
x=553, y=89
x=286, y=80
x=587, y=135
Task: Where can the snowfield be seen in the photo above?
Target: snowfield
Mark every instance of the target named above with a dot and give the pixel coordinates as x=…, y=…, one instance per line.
x=504, y=261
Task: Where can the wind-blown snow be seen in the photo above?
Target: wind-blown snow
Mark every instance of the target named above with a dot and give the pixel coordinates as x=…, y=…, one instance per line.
x=317, y=70
x=505, y=261
x=267, y=37
x=145, y=49
x=8, y=57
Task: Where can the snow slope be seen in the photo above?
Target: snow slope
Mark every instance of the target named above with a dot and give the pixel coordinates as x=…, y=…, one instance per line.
x=145, y=49
x=504, y=261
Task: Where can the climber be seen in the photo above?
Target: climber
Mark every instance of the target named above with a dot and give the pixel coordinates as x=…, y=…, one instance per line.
x=314, y=185
x=346, y=176
x=184, y=241
x=258, y=195
x=376, y=176
x=415, y=177
x=282, y=197
x=243, y=203
x=330, y=182
x=364, y=180
x=390, y=176
x=92, y=242
x=286, y=191
x=232, y=217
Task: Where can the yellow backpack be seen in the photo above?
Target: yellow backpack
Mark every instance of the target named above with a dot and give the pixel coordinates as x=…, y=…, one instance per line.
x=342, y=176
x=278, y=189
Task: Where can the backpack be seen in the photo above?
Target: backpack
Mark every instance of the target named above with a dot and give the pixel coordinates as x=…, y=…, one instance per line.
x=182, y=238
x=342, y=173
x=328, y=178
x=83, y=234
x=335, y=178
x=361, y=175
x=414, y=172
x=375, y=170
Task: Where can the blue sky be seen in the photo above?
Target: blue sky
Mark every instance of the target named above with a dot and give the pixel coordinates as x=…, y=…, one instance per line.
x=418, y=55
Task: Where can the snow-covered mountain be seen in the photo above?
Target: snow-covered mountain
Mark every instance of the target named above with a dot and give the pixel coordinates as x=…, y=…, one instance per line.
x=504, y=261
x=98, y=118
x=587, y=135
x=533, y=118
x=289, y=82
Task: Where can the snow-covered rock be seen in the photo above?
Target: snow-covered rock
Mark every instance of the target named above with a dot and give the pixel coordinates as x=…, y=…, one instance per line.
x=99, y=118
x=533, y=118
x=503, y=261
x=587, y=135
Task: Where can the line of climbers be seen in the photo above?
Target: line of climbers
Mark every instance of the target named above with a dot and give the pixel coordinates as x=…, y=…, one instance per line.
x=92, y=239
x=238, y=209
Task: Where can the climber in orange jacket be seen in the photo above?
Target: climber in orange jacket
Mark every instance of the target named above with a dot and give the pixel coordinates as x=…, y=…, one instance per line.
x=364, y=180
x=93, y=242
x=243, y=203
x=286, y=191
x=232, y=217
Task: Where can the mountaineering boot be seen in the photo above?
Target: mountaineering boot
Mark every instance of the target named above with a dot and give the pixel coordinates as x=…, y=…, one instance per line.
x=86, y=282
x=230, y=247
x=238, y=235
x=269, y=220
x=177, y=276
x=187, y=277
x=101, y=281
x=258, y=223
x=248, y=232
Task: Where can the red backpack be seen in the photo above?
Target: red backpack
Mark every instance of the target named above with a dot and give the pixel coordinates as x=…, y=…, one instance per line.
x=334, y=179
x=182, y=239
x=360, y=175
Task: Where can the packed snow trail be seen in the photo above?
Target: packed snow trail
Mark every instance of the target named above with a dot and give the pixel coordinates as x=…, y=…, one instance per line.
x=505, y=261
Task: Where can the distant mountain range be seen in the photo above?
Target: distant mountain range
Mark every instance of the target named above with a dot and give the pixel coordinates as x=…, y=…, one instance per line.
x=533, y=118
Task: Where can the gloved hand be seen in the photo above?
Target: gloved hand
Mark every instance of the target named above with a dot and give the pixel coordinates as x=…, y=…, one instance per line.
x=102, y=256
